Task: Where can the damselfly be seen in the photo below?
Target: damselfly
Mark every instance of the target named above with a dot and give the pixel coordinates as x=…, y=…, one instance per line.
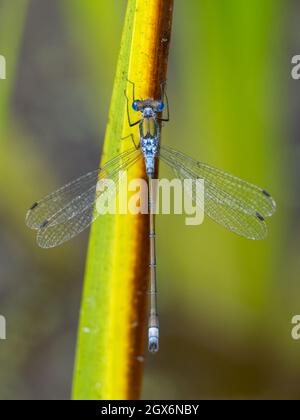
x=236, y=204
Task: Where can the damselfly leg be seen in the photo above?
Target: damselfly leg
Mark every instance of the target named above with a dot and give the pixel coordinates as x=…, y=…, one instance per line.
x=165, y=100
x=130, y=123
x=131, y=136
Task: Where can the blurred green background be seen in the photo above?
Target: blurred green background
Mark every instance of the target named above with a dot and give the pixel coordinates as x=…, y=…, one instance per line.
x=226, y=303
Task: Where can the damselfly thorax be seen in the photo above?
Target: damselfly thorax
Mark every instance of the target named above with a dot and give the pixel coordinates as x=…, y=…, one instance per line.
x=149, y=138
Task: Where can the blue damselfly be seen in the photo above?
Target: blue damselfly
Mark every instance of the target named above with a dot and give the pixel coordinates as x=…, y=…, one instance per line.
x=239, y=206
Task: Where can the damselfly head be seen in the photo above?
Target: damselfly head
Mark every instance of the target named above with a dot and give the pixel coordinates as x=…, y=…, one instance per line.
x=142, y=104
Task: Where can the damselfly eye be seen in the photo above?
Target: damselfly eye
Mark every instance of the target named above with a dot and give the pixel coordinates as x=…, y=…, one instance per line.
x=135, y=105
x=160, y=106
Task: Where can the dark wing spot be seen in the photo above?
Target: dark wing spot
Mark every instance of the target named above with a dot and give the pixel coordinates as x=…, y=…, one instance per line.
x=259, y=216
x=34, y=205
x=44, y=224
x=266, y=193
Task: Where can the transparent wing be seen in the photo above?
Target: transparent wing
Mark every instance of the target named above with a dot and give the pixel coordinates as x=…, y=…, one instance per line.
x=236, y=204
x=68, y=211
x=46, y=208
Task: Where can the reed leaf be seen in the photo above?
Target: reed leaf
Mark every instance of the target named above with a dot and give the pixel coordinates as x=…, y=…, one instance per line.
x=109, y=363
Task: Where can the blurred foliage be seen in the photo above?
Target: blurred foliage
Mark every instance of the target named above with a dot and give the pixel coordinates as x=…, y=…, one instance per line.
x=226, y=304
x=13, y=15
x=97, y=55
